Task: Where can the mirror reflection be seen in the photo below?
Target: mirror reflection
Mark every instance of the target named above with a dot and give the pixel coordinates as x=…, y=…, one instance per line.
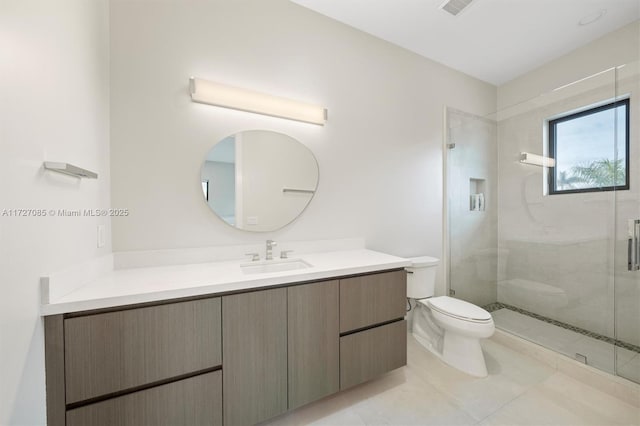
x=259, y=180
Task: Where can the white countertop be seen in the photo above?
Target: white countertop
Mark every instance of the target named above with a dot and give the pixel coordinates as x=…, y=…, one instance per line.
x=151, y=284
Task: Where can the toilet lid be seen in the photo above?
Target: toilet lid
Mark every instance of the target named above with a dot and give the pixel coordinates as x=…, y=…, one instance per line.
x=458, y=308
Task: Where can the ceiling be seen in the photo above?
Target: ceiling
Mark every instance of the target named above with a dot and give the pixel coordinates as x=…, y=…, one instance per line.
x=493, y=40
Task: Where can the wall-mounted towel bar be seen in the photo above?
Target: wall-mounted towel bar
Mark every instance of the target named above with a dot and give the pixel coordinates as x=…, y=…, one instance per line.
x=70, y=169
x=537, y=160
x=302, y=191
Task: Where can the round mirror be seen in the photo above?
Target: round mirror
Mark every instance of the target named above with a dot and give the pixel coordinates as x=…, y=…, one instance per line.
x=259, y=180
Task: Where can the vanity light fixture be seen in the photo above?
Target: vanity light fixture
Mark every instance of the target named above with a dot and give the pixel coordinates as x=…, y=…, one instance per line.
x=537, y=160
x=217, y=94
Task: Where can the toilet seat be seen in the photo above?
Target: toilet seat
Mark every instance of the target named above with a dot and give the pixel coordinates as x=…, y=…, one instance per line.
x=458, y=309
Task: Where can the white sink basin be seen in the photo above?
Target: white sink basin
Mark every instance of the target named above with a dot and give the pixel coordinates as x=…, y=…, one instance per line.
x=268, y=266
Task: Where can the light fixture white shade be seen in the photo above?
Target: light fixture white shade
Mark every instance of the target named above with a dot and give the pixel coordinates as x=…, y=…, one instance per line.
x=537, y=160
x=211, y=93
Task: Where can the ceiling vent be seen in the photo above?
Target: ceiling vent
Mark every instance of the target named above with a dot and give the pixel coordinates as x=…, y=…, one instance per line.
x=454, y=7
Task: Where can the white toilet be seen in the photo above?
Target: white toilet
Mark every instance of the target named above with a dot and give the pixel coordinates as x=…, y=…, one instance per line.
x=450, y=328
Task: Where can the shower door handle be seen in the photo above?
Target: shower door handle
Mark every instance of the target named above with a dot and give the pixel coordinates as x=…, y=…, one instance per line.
x=633, y=245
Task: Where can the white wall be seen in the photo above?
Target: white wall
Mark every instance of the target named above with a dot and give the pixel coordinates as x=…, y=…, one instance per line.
x=616, y=48
x=380, y=153
x=54, y=106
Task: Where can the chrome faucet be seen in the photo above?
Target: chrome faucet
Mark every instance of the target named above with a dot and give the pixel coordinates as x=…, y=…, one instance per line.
x=270, y=245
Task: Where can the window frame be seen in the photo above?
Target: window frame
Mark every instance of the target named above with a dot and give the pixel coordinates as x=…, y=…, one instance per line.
x=552, y=174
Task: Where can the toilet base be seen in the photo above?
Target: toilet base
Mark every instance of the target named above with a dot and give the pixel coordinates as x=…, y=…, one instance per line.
x=465, y=354
x=453, y=348
x=472, y=363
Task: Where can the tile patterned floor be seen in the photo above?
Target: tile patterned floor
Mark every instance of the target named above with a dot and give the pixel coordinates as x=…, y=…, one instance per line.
x=518, y=391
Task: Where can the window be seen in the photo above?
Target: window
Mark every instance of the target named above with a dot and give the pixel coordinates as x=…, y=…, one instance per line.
x=591, y=150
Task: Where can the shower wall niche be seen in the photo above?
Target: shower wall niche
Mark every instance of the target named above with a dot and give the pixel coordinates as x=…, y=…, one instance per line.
x=477, y=198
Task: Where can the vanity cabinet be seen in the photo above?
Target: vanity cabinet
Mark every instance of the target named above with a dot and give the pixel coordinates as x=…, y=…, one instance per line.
x=313, y=342
x=115, y=351
x=372, y=326
x=135, y=366
x=233, y=359
x=254, y=341
x=371, y=353
x=372, y=299
x=281, y=350
x=193, y=401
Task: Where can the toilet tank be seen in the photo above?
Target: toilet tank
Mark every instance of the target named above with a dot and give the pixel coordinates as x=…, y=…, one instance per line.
x=421, y=277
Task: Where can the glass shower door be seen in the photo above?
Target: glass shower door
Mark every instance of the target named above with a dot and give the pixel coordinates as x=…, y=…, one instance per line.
x=627, y=268
x=556, y=220
x=472, y=207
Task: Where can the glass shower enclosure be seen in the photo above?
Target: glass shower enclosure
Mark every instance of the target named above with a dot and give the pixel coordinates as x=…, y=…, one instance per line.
x=543, y=217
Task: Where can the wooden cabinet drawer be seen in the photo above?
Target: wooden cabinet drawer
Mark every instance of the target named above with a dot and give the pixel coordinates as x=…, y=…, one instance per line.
x=372, y=299
x=370, y=353
x=114, y=351
x=189, y=402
